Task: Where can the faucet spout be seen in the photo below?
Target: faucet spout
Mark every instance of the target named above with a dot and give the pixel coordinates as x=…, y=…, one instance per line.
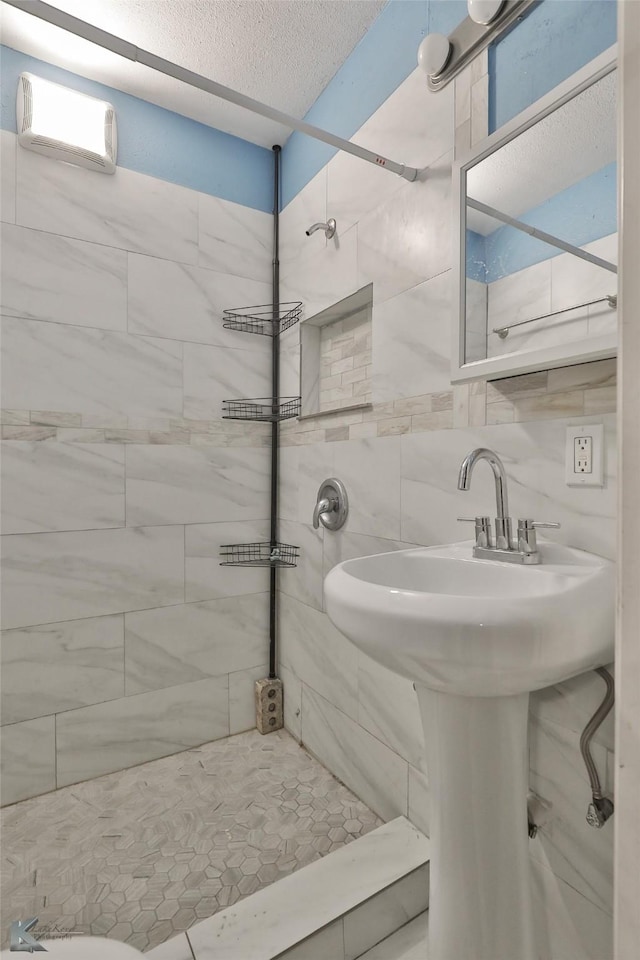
x=503, y=523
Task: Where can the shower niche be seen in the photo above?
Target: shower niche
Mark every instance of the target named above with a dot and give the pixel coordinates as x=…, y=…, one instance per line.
x=536, y=278
x=335, y=356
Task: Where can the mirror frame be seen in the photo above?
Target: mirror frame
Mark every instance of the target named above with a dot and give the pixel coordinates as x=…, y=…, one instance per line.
x=545, y=358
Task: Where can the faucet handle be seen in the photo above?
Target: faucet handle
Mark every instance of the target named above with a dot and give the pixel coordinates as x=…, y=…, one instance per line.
x=483, y=529
x=527, y=541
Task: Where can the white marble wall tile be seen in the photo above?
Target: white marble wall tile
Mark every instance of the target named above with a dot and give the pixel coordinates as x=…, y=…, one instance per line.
x=214, y=374
x=388, y=708
x=411, y=124
x=129, y=210
x=315, y=464
x=407, y=943
x=122, y=733
x=288, y=482
x=185, y=302
x=52, y=366
x=576, y=281
x=374, y=772
x=234, y=239
x=386, y=912
x=290, y=364
x=328, y=942
x=519, y=296
x=193, y=641
x=8, y=146
x=341, y=545
x=45, y=277
x=573, y=703
x=180, y=484
x=242, y=699
x=567, y=925
x=566, y=844
x=307, y=207
x=412, y=341
x=205, y=579
x=292, y=696
x=419, y=804
x=304, y=581
x=319, y=655
x=407, y=239
x=331, y=274
x=374, y=507
x=60, y=666
x=476, y=324
x=49, y=577
x=61, y=486
x=28, y=759
x=534, y=455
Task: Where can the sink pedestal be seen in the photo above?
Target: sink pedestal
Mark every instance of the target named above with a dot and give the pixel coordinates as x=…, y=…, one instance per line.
x=480, y=891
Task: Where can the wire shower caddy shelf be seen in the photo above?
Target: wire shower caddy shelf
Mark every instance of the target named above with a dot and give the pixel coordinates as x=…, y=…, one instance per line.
x=264, y=409
x=266, y=554
x=263, y=320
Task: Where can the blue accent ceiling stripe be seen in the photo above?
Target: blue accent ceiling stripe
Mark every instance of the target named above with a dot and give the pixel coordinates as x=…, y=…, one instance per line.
x=385, y=57
x=158, y=142
x=552, y=42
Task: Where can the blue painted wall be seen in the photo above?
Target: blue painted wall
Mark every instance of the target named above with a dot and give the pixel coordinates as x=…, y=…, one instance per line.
x=580, y=214
x=553, y=41
x=385, y=57
x=159, y=142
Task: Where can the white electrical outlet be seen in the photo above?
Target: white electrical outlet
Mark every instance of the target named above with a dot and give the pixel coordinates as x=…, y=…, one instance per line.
x=584, y=456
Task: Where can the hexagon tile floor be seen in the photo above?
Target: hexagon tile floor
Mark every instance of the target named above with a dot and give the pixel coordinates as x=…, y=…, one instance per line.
x=145, y=853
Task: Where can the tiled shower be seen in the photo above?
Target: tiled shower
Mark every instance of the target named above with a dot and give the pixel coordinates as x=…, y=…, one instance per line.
x=126, y=641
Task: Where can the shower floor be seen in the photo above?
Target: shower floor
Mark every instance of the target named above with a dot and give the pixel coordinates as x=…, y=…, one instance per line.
x=145, y=853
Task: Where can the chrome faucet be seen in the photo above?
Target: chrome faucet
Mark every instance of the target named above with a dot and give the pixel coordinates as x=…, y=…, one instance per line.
x=525, y=549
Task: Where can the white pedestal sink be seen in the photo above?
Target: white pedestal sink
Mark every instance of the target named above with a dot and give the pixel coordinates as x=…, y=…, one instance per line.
x=476, y=636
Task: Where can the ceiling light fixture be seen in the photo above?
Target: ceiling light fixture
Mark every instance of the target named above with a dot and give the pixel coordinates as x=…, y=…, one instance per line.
x=65, y=124
x=442, y=58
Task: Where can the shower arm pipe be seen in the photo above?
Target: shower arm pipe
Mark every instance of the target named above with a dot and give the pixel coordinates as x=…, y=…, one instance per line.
x=80, y=28
x=541, y=235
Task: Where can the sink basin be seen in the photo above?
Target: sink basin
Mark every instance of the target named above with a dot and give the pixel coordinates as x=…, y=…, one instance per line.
x=476, y=636
x=474, y=627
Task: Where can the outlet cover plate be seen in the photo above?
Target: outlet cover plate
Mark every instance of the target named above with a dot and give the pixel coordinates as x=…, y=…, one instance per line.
x=596, y=477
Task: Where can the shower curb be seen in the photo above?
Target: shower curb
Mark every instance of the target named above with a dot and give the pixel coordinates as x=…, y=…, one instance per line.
x=339, y=906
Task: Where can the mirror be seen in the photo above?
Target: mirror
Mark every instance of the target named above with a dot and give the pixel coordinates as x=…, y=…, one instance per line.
x=538, y=208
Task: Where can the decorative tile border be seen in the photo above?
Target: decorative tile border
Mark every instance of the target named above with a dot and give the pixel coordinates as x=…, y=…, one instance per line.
x=80, y=428
x=582, y=390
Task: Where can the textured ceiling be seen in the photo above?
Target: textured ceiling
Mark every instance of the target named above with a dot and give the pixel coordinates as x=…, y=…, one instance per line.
x=282, y=52
x=568, y=145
